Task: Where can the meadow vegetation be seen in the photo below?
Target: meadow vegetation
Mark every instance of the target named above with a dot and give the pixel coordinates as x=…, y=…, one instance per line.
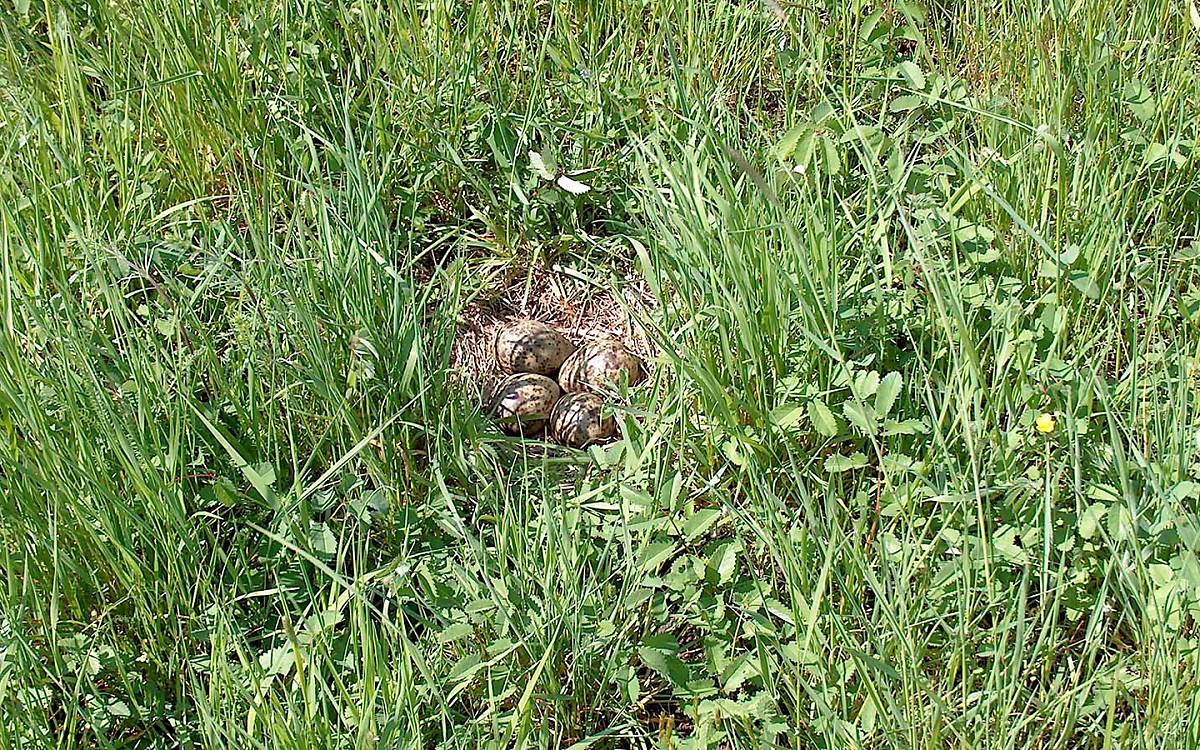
x=916, y=467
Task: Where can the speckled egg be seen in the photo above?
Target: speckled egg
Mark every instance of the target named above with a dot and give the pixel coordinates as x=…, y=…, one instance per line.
x=521, y=403
x=577, y=420
x=599, y=366
x=530, y=346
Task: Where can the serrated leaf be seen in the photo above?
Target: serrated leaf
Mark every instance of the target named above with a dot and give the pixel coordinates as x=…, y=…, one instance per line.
x=723, y=560
x=700, y=522
x=732, y=451
x=1120, y=523
x=869, y=24
x=836, y=463
x=787, y=415
x=822, y=418
x=1048, y=269
x=821, y=113
x=662, y=642
x=574, y=187
x=1005, y=544
x=465, y=668
x=321, y=540
x=889, y=390
x=539, y=166
x=912, y=74
x=866, y=382
x=861, y=416
x=804, y=152
x=655, y=555
x=787, y=144
x=278, y=660
x=166, y=326
x=735, y=675
x=457, y=631
x=833, y=160
x=903, y=427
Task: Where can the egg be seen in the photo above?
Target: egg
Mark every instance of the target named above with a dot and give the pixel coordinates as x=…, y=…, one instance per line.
x=578, y=420
x=530, y=346
x=522, y=402
x=600, y=366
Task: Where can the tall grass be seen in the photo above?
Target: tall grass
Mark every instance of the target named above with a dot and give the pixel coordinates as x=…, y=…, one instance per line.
x=246, y=503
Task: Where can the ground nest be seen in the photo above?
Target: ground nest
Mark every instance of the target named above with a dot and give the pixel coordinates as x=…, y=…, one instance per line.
x=581, y=311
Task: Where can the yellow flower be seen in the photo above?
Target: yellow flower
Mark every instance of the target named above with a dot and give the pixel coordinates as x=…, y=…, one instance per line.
x=1045, y=423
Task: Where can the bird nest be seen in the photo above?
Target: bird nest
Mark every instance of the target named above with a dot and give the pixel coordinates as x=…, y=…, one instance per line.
x=581, y=311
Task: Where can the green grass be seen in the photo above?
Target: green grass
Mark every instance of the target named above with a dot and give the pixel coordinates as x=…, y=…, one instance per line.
x=245, y=501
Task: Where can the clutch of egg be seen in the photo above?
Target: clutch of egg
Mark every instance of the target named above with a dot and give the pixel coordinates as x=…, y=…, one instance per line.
x=527, y=400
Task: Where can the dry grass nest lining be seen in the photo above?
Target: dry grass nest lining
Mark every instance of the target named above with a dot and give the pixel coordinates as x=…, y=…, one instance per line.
x=580, y=311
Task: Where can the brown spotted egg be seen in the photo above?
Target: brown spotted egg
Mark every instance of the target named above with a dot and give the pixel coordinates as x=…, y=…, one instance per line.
x=521, y=403
x=578, y=420
x=599, y=366
x=530, y=346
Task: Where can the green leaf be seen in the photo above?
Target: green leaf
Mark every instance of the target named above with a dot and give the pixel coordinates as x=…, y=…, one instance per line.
x=787, y=415
x=667, y=665
x=1140, y=100
x=787, y=144
x=166, y=326
x=889, y=389
x=1090, y=520
x=723, y=560
x=465, y=668
x=257, y=480
x=821, y=113
x=456, y=631
x=662, y=642
x=1120, y=524
x=822, y=418
x=876, y=665
x=739, y=670
x=1155, y=153
x=655, y=555
x=1048, y=269
x=903, y=427
x=700, y=522
x=804, y=152
x=866, y=382
x=912, y=74
x=732, y=450
x=861, y=415
x=837, y=463
x=1083, y=281
x=906, y=103
x=833, y=160
x=1005, y=544
x=321, y=540
x=502, y=142
x=278, y=660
